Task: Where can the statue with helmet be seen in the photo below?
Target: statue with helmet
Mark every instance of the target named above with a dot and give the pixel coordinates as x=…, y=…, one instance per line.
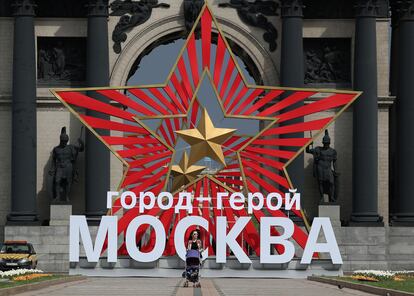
x=63, y=167
x=325, y=168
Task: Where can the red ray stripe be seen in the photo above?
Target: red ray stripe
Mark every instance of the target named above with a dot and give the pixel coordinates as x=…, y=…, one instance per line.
x=229, y=71
x=236, y=147
x=139, y=151
x=192, y=57
x=181, y=93
x=148, y=100
x=194, y=113
x=173, y=97
x=230, y=181
x=273, y=152
x=321, y=105
x=263, y=101
x=99, y=123
x=267, y=186
x=184, y=76
x=219, y=60
x=251, y=187
x=240, y=95
x=157, y=178
x=164, y=135
x=298, y=127
x=271, y=175
x=296, y=97
x=256, y=178
x=170, y=130
x=297, y=142
x=156, y=92
x=234, y=173
x=254, y=95
x=86, y=102
x=149, y=159
x=234, y=87
x=271, y=162
x=206, y=21
x=126, y=101
x=128, y=140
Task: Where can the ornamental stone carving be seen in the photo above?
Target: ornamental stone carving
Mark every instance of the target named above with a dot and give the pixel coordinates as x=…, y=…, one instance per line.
x=192, y=9
x=255, y=14
x=292, y=8
x=23, y=8
x=327, y=60
x=97, y=8
x=132, y=14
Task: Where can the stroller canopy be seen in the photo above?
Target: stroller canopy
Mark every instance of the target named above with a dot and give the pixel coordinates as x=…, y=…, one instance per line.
x=192, y=258
x=193, y=254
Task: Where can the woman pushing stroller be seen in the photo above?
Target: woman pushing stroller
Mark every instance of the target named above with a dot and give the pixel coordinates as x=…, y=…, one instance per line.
x=194, y=243
x=193, y=260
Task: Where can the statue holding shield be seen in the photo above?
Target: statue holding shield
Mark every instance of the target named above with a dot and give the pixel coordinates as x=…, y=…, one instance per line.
x=325, y=168
x=63, y=167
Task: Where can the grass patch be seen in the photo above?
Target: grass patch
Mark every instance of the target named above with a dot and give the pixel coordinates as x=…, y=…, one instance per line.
x=11, y=284
x=406, y=285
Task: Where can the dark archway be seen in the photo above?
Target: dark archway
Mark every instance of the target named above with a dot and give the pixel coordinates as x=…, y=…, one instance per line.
x=162, y=54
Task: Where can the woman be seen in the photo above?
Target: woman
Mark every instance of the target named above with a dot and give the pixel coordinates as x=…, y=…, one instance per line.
x=194, y=243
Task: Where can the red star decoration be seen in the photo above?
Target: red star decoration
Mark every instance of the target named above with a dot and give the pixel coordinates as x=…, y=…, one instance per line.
x=148, y=154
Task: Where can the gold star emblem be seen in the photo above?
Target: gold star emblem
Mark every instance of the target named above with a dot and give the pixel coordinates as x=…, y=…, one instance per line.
x=206, y=140
x=183, y=173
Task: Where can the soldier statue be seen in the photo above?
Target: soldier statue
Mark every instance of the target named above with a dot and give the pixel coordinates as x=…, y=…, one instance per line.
x=324, y=168
x=63, y=167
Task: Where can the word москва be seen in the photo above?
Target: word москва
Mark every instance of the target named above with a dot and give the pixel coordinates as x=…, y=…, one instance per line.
x=255, y=201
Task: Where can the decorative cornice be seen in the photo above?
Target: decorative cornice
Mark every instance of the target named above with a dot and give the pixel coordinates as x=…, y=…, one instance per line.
x=371, y=8
x=292, y=8
x=97, y=8
x=23, y=8
x=403, y=10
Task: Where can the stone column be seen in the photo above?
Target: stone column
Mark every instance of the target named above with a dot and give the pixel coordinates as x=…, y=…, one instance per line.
x=365, y=117
x=23, y=203
x=97, y=164
x=292, y=71
x=404, y=201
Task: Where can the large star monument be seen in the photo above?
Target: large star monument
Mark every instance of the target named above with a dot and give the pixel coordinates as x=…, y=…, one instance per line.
x=254, y=163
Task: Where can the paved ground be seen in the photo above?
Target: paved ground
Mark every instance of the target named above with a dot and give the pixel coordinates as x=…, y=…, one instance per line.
x=210, y=287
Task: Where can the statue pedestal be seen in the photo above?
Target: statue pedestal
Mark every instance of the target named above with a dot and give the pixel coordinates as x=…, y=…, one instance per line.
x=331, y=211
x=60, y=215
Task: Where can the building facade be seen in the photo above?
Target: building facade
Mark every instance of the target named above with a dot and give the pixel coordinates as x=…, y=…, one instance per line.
x=363, y=45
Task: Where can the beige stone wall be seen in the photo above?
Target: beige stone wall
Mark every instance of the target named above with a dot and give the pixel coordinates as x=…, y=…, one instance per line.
x=383, y=162
x=383, y=56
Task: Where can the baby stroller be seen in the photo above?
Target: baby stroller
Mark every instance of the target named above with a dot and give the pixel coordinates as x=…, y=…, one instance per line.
x=192, y=268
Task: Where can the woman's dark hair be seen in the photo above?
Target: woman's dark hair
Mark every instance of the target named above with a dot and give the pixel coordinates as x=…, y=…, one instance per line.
x=191, y=234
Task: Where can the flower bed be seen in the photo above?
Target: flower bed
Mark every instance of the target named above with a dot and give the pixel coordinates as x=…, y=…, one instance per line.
x=382, y=274
x=30, y=277
x=18, y=272
x=401, y=280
